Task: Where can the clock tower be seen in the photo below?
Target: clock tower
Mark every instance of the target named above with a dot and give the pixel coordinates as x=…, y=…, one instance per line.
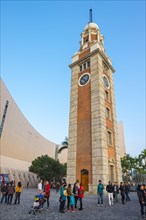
x=93, y=149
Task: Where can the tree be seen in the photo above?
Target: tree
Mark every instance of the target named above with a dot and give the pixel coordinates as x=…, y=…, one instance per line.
x=138, y=170
x=47, y=168
x=64, y=145
x=142, y=158
x=134, y=166
x=127, y=164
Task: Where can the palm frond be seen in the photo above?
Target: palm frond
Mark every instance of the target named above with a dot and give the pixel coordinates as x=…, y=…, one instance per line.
x=62, y=148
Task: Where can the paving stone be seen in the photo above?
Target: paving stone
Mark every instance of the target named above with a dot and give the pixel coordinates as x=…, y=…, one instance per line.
x=129, y=211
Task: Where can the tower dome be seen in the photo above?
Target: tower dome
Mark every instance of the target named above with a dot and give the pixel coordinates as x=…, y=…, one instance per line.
x=91, y=25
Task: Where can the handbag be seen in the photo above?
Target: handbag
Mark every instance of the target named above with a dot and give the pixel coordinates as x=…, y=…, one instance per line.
x=65, y=192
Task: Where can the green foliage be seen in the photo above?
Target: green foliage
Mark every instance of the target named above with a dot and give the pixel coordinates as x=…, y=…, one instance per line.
x=47, y=168
x=134, y=166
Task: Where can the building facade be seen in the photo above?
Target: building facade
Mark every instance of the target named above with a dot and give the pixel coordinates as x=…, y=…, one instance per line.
x=93, y=148
x=20, y=143
x=121, y=139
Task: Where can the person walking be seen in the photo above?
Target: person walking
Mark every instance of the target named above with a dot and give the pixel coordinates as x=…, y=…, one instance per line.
x=122, y=189
x=18, y=191
x=75, y=192
x=11, y=190
x=47, y=192
x=100, y=188
x=110, y=190
x=81, y=196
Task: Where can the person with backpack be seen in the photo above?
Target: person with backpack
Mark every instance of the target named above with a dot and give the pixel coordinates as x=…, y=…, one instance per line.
x=62, y=198
x=11, y=190
x=100, y=188
x=4, y=191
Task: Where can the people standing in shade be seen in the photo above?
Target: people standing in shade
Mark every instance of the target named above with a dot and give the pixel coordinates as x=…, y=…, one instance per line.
x=47, y=192
x=62, y=198
x=100, y=188
x=75, y=192
x=18, y=191
x=11, y=190
x=4, y=191
x=122, y=190
x=127, y=190
x=142, y=199
x=81, y=196
x=116, y=192
x=110, y=190
x=40, y=187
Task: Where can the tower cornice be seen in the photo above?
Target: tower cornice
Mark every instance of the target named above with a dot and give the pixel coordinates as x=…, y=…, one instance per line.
x=105, y=58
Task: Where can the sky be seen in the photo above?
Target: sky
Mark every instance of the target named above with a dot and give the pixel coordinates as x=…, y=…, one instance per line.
x=38, y=39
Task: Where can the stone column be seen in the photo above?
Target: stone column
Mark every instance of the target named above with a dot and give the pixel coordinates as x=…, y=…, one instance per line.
x=72, y=139
x=116, y=135
x=99, y=145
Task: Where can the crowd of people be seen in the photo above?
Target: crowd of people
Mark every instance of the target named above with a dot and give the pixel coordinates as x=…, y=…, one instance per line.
x=8, y=190
x=67, y=193
x=113, y=190
x=70, y=195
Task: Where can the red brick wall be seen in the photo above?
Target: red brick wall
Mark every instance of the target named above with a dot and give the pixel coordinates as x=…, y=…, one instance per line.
x=84, y=145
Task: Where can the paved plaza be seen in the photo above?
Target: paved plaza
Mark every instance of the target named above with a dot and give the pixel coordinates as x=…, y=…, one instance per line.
x=129, y=211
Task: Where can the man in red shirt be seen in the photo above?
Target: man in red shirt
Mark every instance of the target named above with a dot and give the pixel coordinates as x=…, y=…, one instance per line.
x=47, y=192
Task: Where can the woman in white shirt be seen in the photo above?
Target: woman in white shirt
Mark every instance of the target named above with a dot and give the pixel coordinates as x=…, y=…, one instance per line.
x=40, y=187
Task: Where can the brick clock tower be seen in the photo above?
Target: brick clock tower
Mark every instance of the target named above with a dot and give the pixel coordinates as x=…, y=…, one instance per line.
x=93, y=150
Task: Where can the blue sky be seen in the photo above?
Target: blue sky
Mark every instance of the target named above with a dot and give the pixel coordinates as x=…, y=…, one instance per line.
x=38, y=39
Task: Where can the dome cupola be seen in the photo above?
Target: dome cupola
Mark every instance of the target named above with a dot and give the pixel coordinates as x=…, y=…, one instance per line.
x=91, y=35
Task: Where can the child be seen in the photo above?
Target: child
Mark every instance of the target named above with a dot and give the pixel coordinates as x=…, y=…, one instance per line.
x=72, y=202
x=37, y=205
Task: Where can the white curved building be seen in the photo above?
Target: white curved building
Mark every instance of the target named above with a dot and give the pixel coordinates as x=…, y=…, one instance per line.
x=20, y=143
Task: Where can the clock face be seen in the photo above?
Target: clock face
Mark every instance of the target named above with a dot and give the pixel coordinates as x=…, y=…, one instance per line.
x=84, y=79
x=106, y=82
